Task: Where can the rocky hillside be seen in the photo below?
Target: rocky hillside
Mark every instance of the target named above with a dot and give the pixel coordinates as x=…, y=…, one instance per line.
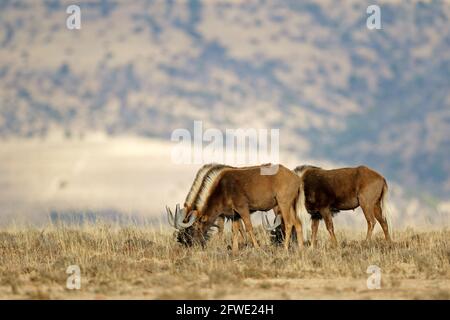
x=337, y=90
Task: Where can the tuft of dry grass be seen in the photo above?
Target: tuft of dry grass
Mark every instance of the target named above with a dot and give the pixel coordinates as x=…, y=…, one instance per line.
x=140, y=262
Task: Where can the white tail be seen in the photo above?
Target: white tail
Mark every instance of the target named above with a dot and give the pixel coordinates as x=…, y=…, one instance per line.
x=386, y=210
x=302, y=213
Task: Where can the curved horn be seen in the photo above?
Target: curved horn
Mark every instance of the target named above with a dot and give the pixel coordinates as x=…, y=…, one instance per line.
x=180, y=215
x=265, y=221
x=277, y=221
x=187, y=224
x=170, y=217
x=266, y=224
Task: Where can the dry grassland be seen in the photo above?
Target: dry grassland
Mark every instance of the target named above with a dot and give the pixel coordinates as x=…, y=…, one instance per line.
x=141, y=263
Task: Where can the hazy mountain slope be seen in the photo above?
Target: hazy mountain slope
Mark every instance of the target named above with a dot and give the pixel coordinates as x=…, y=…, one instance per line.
x=311, y=68
x=129, y=179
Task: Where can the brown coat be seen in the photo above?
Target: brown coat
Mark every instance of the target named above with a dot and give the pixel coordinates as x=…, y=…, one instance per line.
x=238, y=192
x=327, y=192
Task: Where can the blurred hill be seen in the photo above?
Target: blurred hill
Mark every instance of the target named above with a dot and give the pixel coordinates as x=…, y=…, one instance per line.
x=131, y=180
x=337, y=90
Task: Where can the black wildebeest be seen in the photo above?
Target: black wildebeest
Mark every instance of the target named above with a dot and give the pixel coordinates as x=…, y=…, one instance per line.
x=201, y=178
x=237, y=192
x=326, y=192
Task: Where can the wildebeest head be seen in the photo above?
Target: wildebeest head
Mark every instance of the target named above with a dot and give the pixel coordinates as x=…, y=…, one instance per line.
x=277, y=236
x=192, y=236
x=198, y=233
x=191, y=228
x=185, y=236
x=276, y=231
x=178, y=220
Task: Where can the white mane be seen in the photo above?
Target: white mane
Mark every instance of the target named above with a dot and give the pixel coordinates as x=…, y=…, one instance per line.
x=206, y=187
x=197, y=183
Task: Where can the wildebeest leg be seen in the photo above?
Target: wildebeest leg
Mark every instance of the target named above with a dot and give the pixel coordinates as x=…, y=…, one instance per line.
x=288, y=224
x=242, y=231
x=382, y=221
x=327, y=216
x=220, y=222
x=314, y=228
x=287, y=231
x=244, y=212
x=236, y=228
x=368, y=213
x=298, y=228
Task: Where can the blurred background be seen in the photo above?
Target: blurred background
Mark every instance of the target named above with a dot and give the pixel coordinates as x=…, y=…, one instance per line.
x=86, y=115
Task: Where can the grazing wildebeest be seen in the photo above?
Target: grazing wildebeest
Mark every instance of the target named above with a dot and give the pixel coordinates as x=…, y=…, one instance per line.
x=237, y=192
x=177, y=220
x=326, y=192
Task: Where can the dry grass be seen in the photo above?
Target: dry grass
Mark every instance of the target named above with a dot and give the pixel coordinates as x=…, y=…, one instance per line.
x=139, y=262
